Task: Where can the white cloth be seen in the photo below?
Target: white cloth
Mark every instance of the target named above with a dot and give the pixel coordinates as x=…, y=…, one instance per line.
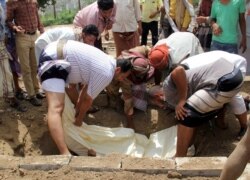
x=49, y=85
x=89, y=65
x=105, y=140
x=181, y=44
x=237, y=103
x=128, y=15
x=53, y=35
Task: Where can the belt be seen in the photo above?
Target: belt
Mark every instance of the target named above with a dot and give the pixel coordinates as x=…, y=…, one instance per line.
x=30, y=33
x=126, y=34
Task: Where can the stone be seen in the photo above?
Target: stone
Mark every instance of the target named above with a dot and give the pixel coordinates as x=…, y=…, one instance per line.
x=200, y=166
x=45, y=163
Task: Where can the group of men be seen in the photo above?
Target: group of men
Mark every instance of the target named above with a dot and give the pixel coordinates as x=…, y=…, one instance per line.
x=194, y=85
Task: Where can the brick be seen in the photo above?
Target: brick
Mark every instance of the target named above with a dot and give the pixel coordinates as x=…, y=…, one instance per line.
x=148, y=165
x=200, y=166
x=9, y=162
x=44, y=162
x=85, y=163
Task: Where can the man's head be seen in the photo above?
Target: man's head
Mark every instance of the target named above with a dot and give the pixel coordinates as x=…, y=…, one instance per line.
x=123, y=68
x=141, y=71
x=105, y=7
x=89, y=34
x=158, y=56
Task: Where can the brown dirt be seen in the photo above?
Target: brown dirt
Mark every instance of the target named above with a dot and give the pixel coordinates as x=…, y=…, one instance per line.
x=26, y=134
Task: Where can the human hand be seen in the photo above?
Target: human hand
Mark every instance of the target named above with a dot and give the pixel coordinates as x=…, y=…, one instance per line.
x=106, y=35
x=243, y=45
x=201, y=19
x=216, y=29
x=180, y=111
x=109, y=25
x=78, y=119
x=19, y=29
x=140, y=30
x=152, y=15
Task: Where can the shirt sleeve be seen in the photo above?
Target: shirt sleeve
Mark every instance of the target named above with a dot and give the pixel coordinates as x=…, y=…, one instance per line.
x=10, y=14
x=112, y=18
x=213, y=10
x=160, y=3
x=97, y=82
x=137, y=10
x=78, y=20
x=40, y=25
x=242, y=6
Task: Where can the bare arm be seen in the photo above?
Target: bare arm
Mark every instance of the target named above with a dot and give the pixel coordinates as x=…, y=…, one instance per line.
x=242, y=22
x=178, y=76
x=83, y=104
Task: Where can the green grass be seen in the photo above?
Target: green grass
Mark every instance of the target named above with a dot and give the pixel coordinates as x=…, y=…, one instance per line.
x=63, y=17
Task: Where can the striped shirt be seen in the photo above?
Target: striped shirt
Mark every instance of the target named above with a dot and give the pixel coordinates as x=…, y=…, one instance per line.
x=89, y=65
x=24, y=13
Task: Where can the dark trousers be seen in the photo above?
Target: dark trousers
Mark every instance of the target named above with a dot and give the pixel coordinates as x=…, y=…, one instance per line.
x=146, y=27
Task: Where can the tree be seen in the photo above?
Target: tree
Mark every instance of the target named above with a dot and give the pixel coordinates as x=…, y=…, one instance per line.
x=44, y=3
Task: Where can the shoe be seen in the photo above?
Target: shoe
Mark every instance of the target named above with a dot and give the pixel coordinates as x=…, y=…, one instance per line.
x=35, y=102
x=241, y=133
x=21, y=95
x=40, y=95
x=18, y=106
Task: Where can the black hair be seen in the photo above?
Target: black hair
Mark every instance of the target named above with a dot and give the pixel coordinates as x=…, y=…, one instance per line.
x=91, y=29
x=105, y=4
x=124, y=64
x=176, y=65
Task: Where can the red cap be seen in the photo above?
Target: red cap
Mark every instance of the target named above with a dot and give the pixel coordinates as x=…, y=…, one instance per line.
x=158, y=56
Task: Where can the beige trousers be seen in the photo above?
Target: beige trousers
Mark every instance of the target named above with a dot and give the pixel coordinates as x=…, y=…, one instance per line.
x=25, y=46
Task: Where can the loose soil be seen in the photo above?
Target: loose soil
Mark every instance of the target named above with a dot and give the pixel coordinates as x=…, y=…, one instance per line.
x=26, y=134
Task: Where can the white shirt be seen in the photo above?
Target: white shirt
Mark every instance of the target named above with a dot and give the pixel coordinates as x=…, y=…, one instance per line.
x=237, y=103
x=89, y=65
x=56, y=34
x=181, y=45
x=127, y=16
x=209, y=57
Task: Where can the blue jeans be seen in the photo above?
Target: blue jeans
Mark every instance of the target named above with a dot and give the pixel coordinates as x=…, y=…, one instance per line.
x=231, y=48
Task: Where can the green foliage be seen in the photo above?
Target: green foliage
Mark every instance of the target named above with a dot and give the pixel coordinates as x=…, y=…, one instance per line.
x=44, y=3
x=63, y=17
